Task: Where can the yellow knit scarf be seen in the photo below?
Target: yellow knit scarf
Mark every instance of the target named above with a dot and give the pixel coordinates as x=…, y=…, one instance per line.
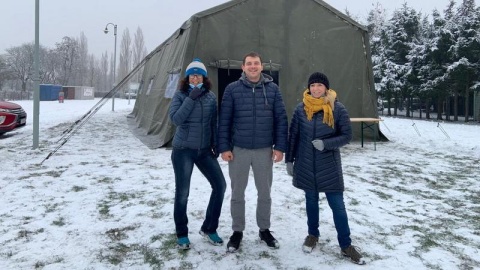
x=325, y=104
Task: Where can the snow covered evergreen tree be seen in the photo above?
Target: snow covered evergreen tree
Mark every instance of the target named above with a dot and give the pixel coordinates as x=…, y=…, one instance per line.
x=375, y=24
x=466, y=55
x=400, y=37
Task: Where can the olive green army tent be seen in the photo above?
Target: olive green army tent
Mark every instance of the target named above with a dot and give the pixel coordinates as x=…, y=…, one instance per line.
x=294, y=38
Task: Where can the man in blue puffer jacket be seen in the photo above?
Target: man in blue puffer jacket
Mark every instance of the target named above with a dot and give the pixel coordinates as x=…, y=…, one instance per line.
x=252, y=132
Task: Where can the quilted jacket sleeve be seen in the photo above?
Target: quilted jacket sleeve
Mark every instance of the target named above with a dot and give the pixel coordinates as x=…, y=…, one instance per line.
x=214, y=125
x=225, y=121
x=343, y=129
x=180, y=108
x=293, y=138
x=281, y=124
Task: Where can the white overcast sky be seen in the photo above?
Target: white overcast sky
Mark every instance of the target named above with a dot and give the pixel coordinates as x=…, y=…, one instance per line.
x=157, y=18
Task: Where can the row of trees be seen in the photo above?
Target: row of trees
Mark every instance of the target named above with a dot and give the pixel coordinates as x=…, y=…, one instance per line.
x=68, y=63
x=434, y=59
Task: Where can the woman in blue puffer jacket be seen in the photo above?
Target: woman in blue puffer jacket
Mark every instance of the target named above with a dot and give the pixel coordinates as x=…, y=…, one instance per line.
x=193, y=111
x=319, y=127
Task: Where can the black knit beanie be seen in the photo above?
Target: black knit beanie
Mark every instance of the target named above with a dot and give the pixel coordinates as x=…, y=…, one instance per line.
x=318, y=77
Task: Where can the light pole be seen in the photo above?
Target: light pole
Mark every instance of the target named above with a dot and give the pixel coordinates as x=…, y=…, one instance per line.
x=114, y=57
x=36, y=78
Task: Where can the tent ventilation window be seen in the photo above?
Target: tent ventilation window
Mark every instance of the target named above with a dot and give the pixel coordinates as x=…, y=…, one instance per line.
x=150, y=85
x=237, y=64
x=172, y=82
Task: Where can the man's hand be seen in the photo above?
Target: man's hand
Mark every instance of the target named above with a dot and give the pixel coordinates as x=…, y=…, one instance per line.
x=277, y=156
x=227, y=156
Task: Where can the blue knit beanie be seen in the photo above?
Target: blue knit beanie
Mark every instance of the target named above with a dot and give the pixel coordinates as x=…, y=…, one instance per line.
x=196, y=67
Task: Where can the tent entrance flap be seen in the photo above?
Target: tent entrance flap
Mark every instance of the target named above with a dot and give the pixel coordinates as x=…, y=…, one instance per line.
x=227, y=76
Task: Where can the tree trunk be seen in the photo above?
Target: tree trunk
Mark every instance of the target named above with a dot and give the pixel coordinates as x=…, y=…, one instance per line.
x=467, y=99
x=409, y=106
x=420, y=109
x=447, y=108
x=24, y=90
x=395, y=106
x=439, y=109
x=427, y=108
x=455, y=106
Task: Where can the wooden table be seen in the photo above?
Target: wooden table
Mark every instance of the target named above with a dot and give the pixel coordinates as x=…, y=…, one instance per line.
x=370, y=123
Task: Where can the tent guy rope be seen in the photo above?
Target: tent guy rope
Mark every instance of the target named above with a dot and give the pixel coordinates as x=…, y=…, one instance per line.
x=68, y=133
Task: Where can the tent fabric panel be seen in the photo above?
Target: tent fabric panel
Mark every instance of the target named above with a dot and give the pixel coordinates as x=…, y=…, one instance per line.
x=292, y=33
x=151, y=110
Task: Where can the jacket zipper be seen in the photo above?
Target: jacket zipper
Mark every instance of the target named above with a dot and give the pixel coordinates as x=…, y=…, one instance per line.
x=254, y=117
x=201, y=124
x=314, y=150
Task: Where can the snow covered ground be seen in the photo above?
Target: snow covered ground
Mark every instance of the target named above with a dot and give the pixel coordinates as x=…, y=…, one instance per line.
x=105, y=201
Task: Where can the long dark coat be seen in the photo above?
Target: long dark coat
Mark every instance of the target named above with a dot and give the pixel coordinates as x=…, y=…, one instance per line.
x=314, y=169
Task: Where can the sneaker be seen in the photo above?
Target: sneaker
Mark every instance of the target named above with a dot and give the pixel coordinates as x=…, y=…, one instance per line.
x=352, y=253
x=234, y=243
x=183, y=243
x=212, y=238
x=310, y=243
x=267, y=237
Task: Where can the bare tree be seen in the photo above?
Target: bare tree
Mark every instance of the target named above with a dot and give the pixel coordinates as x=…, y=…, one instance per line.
x=20, y=62
x=139, y=51
x=92, y=78
x=81, y=67
x=50, y=66
x=112, y=67
x=125, y=55
x=68, y=53
x=104, y=79
x=5, y=73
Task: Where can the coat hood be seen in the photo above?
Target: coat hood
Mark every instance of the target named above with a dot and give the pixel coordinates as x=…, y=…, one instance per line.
x=264, y=78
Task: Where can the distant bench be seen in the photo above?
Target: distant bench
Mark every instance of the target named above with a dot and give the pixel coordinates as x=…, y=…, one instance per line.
x=370, y=123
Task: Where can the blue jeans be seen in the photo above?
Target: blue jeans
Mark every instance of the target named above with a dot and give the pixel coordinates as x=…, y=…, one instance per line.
x=340, y=218
x=183, y=160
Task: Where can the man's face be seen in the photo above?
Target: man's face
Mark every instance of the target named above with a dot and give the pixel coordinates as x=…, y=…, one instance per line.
x=252, y=68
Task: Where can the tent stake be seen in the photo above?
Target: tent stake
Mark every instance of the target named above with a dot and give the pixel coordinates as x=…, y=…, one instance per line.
x=443, y=130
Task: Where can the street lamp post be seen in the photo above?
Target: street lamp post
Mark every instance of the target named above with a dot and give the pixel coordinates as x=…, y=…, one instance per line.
x=36, y=78
x=114, y=57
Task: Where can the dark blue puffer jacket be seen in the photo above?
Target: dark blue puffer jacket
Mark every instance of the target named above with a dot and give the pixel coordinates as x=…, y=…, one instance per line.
x=314, y=169
x=252, y=116
x=196, y=120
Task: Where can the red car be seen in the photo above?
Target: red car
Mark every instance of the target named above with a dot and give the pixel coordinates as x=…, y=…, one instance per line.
x=12, y=116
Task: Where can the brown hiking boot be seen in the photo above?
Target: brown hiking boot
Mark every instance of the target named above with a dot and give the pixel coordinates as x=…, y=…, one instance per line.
x=353, y=254
x=310, y=243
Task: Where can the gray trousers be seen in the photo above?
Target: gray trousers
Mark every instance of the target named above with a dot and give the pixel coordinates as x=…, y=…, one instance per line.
x=261, y=162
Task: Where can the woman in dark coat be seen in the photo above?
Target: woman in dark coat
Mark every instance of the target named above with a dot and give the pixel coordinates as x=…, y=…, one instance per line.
x=193, y=111
x=319, y=127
